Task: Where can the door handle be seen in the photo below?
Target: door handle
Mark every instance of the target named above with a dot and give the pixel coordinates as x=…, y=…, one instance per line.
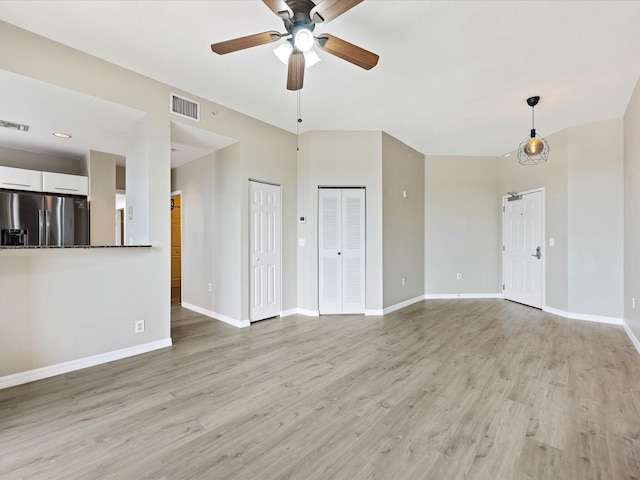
x=538, y=254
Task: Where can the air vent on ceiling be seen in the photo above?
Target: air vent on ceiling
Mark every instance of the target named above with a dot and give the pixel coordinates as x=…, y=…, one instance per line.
x=184, y=107
x=14, y=126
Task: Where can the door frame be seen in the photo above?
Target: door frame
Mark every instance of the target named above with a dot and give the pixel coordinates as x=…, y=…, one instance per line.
x=175, y=194
x=318, y=241
x=279, y=245
x=543, y=246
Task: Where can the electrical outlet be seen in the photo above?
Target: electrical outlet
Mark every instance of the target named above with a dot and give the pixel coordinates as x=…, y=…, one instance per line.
x=403, y=281
x=139, y=326
x=209, y=286
x=458, y=276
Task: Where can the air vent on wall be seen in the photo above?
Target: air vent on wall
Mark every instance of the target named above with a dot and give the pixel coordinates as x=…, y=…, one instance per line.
x=14, y=126
x=184, y=107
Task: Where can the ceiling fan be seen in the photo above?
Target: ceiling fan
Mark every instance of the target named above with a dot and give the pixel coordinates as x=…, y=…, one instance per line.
x=300, y=18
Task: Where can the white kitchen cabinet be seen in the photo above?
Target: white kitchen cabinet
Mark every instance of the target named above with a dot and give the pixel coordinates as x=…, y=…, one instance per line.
x=20, y=179
x=65, y=184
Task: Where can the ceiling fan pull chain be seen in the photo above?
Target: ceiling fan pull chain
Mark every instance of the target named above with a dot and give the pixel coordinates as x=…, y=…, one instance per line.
x=298, y=122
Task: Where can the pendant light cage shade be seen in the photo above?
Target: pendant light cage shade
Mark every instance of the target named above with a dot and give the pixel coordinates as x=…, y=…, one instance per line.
x=533, y=149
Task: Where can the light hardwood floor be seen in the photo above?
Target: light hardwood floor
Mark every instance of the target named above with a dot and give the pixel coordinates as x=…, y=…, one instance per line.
x=443, y=389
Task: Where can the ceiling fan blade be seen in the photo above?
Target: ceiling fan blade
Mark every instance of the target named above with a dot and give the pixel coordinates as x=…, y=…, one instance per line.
x=330, y=9
x=295, y=75
x=277, y=6
x=347, y=51
x=249, y=41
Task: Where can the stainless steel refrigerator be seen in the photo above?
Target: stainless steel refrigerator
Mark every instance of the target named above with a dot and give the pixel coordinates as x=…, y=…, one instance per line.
x=41, y=219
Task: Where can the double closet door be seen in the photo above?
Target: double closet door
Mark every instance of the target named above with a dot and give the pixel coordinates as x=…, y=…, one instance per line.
x=341, y=249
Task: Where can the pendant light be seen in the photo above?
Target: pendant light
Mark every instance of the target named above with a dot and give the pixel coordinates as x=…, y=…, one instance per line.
x=533, y=149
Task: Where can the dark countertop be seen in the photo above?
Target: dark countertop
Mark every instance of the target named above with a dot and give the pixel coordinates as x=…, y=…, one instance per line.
x=64, y=247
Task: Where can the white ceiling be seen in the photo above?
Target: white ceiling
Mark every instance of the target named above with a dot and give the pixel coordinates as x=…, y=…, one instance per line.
x=453, y=76
x=95, y=124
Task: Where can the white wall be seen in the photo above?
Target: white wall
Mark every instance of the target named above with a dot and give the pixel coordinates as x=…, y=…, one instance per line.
x=462, y=225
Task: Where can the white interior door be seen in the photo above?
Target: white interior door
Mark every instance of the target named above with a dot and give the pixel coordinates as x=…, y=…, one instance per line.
x=523, y=247
x=265, y=276
x=341, y=245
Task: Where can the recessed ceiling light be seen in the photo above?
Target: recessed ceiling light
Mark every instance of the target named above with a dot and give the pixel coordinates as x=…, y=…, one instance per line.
x=61, y=135
x=507, y=155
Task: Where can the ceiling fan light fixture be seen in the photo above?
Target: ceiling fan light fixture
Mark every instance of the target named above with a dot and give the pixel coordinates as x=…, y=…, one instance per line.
x=533, y=149
x=284, y=51
x=311, y=58
x=303, y=39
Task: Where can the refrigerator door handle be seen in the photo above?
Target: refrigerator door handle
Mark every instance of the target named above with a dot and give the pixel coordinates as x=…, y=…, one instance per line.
x=47, y=232
x=40, y=227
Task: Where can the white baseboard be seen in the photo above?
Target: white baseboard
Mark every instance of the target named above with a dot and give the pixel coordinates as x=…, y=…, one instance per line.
x=395, y=307
x=217, y=316
x=308, y=313
x=632, y=336
x=291, y=311
x=583, y=316
x=436, y=296
x=73, y=365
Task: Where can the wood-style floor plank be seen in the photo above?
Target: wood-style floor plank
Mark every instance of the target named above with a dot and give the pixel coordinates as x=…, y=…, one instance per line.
x=451, y=389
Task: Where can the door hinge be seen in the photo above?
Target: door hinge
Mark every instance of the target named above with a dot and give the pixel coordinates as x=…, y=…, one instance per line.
x=503, y=286
x=503, y=248
x=502, y=209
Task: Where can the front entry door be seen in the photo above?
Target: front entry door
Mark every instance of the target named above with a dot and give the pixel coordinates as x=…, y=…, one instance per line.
x=265, y=285
x=523, y=247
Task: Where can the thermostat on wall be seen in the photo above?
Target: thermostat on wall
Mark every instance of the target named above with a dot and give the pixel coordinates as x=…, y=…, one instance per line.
x=303, y=220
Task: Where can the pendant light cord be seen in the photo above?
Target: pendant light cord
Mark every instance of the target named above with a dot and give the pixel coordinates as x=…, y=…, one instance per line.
x=533, y=123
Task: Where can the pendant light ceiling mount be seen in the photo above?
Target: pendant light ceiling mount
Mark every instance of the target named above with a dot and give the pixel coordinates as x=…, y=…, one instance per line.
x=533, y=149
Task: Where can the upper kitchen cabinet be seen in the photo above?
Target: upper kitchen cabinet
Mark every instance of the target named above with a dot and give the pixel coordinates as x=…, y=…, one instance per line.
x=20, y=179
x=63, y=183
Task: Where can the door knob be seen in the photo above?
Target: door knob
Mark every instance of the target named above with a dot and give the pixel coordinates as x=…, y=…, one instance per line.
x=538, y=254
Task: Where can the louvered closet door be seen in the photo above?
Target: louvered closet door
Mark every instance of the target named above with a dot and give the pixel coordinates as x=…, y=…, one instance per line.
x=341, y=240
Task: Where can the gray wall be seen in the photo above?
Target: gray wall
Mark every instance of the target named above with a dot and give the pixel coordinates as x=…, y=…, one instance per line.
x=121, y=175
x=402, y=221
x=551, y=175
x=339, y=159
x=632, y=212
x=462, y=225
x=58, y=305
x=215, y=193
x=10, y=157
x=102, y=197
x=583, y=184
x=595, y=193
